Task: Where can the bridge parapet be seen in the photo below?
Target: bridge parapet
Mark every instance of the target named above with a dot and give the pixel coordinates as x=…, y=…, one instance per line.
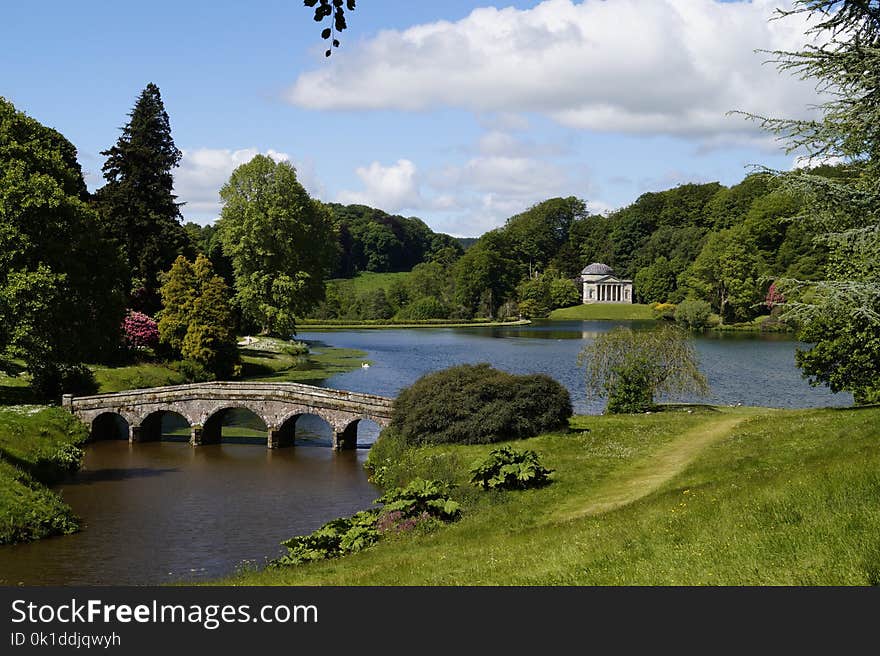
x=200, y=404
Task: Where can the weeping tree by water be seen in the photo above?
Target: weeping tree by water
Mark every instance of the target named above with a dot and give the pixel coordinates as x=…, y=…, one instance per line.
x=632, y=368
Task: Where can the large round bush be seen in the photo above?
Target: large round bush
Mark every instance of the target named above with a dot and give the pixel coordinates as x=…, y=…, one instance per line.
x=476, y=404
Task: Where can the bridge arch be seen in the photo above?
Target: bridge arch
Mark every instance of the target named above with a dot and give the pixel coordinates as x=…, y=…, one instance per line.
x=360, y=430
x=246, y=423
x=284, y=434
x=162, y=422
x=109, y=426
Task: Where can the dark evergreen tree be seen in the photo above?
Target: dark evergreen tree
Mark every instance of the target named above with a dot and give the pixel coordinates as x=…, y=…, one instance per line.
x=138, y=202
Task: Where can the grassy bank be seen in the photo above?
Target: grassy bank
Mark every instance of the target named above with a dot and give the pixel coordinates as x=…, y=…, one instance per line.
x=731, y=496
x=277, y=360
x=604, y=312
x=38, y=446
x=264, y=359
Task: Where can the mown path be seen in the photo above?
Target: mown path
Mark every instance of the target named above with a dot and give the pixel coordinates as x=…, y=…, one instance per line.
x=646, y=475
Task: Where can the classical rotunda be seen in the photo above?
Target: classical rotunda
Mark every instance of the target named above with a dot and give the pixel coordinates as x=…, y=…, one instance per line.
x=602, y=286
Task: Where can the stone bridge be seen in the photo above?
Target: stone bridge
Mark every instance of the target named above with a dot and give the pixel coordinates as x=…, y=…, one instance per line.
x=204, y=404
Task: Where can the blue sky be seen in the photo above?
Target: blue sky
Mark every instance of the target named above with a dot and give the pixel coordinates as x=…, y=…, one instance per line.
x=461, y=112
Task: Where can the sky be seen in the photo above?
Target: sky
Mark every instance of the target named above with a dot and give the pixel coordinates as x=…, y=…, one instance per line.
x=460, y=112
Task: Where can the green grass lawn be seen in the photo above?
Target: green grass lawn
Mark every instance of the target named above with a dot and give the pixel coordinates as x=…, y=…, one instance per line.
x=37, y=446
x=732, y=497
x=367, y=281
x=603, y=312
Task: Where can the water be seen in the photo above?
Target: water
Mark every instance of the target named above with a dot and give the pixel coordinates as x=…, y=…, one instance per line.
x=747, y=368
x=164, y=512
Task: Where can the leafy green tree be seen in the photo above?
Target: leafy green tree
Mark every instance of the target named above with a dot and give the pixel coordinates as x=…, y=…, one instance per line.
x=727, y=274
x=424, y=308
x=61, y=279
x=138, y=202
x=632, y=368
x=840, y=314
x=484, y=277
x=564, y=292
x=178, y=297
x=197, y=321
x=210, y=338
x=536, y=236
x=656, y=283
x=280, y=241
x=533, y=296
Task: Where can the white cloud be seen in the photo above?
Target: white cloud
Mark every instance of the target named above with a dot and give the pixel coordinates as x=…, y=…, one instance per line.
x=391, y=188
x=635, y=66
x=204, y=170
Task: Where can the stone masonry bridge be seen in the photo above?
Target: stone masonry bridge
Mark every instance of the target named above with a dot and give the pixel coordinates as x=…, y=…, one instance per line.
x=204, y=404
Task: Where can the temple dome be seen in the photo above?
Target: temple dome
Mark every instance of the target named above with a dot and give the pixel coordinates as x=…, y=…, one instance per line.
x=597, y=269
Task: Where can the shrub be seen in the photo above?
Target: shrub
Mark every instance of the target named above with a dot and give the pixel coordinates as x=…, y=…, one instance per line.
x=50, y=380
x=664, y=311
x=693, y=314
x=140, y=331
x=427, y=307
x=476, y=404
x=509, y=469
x=405, y=508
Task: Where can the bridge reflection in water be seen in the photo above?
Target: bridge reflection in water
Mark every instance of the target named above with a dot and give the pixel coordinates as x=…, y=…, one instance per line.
x=203, y=407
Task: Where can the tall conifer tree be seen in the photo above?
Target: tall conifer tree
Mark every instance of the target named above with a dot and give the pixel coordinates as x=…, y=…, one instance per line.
x=138, y=200
x=840, y=315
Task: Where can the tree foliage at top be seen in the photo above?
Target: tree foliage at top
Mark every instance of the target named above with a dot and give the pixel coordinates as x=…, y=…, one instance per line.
x=280, y=241
x=61, y=298
x=138, y=202
x=839, y=314
x=335, y=11
x=372, y=240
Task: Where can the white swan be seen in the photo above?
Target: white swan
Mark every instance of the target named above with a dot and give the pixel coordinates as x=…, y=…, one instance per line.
x=365, y=365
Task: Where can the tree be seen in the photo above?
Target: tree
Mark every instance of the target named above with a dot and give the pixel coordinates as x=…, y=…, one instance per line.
x=280, y=241
x=61, y=278
x=210, y=338
x=656, y=283
x=564, y=293
x=484, y=277
x=839, y=315
x=178, y=296
x=197, y=322
x=631, y=368
x=727, y=274
x=138, y=203
x=536, y=236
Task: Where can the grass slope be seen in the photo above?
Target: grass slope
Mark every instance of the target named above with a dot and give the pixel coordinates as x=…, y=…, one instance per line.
x=367, y=281
x=37, y=446
x=603, y=312
x=734, y=496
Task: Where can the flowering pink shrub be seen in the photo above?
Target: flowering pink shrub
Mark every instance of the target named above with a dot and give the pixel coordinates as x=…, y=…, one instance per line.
x=774, y=297
x=140, y=330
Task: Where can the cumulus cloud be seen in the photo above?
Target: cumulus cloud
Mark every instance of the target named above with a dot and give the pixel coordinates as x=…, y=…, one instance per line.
x=392, y=188
x=634, y=66
x=204, y=170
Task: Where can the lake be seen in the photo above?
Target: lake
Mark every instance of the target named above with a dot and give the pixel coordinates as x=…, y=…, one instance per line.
x=163, y=512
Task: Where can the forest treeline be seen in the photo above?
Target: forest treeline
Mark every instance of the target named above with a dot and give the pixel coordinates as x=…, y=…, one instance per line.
x=721, y=245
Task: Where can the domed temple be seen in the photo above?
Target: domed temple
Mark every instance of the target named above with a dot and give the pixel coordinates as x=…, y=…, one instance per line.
x=600, y=285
